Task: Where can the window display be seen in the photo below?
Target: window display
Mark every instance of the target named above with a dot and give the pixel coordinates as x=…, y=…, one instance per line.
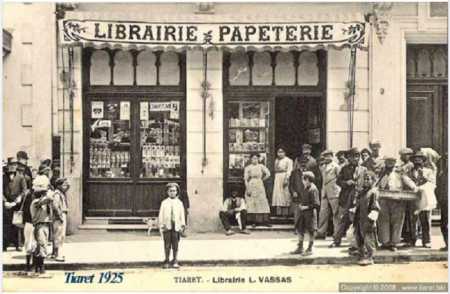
x=109, y=149
x=160, y=139
x=248, y=133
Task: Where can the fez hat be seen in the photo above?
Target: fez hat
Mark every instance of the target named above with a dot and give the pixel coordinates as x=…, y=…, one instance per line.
x=326, y=152
x=375, y=143
x=22, y=155
x=390, y=161
x=405, y=151
x=41, y=183
x=419, y=154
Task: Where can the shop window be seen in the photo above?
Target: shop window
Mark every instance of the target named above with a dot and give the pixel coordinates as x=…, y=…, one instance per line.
x=100, y=72
x=438, y=9
x=262, y=69
x=109, y=149
x=411, y=67
x=308, y=69
x=146, y=69
x=169, y=69
x=248, y=133
x=160, y=139
x=239, y=73
x=285, y=69
x=123, y=68
x=424, y=63
x=440, y=63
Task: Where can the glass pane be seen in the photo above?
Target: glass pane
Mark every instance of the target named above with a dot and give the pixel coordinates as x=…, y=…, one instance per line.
x=285, y=69
x=248, y=133
x=109, y=148
x=100, y=71
x=308, y=70
x=262, y=69
x=160, y=139
x=146, y=68
x=169, y=71
x=424, y=63
x=123, y=68
x=440, y=63
x=438, y=9
x=239, y=74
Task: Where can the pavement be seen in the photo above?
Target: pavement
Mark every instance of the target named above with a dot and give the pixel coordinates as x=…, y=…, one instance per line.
x=103, y=249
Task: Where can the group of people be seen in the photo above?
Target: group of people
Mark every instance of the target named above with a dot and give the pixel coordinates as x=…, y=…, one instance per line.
x=34, y=211
x=373, y=200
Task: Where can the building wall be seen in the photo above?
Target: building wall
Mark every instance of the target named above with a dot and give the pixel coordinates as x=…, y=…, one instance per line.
x=28, y=75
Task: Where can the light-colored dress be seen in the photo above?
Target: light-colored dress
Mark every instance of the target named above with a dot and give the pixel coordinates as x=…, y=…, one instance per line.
x=255, y=194
x=281, y=195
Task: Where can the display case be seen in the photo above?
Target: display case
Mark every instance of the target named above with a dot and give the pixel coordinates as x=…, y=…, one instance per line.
x=248, y=133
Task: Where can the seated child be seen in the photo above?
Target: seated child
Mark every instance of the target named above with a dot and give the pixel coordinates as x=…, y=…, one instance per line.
x=234, y=211
x=366, y=214
x=308, y=206
x=172, y=223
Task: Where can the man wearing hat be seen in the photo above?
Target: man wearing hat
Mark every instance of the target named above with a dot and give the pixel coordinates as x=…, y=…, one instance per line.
x=303, y=163
x=422, y=180
x=59, y=217
x=392, y=212
x=341, y=157
x=404, y=165
x=330, y=193
x=350, y=180
x=375, y=162
x=22, y=158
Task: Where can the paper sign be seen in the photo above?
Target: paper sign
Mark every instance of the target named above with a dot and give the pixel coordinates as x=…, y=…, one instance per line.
x=175, y=110
x=125, y=110
x=160, y=106
x=144, y=111
x=97, y=109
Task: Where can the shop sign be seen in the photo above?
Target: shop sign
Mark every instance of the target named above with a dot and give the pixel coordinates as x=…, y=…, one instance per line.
x=213, y=34
x=97, y=109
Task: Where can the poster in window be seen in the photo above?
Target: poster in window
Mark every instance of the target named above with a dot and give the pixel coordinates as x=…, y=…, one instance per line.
x=97, y=109
x=175, y=110
x=125, y=110
x=144, y=111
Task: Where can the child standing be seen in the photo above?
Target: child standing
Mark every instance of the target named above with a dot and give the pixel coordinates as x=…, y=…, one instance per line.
x=308, y=205
x=41, y=214
x=60, y=217
x=172, y=223
x=366, y=215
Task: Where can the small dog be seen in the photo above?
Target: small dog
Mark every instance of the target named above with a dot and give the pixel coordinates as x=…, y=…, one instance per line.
x=152, y=223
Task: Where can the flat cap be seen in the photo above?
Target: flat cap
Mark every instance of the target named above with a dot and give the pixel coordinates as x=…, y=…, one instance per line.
x=406, y=151
x=22, y=155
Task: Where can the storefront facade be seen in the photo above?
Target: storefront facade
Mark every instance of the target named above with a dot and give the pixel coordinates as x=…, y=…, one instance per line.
x=135, y=117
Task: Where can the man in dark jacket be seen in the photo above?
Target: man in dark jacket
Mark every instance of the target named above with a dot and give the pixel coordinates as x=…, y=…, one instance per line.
x=22, y=158
x=350, y=180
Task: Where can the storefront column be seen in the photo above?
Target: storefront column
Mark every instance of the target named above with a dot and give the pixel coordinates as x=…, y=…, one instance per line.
x=204, y=184
x=73, y=171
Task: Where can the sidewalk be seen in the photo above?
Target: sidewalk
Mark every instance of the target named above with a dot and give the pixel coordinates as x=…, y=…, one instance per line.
x=89, y=250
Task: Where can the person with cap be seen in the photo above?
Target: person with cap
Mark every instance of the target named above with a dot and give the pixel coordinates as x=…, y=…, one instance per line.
x=392, y=212
x=341, y=157
x=29, y=243
x=375, y=162
x=422, y=180
x=172, y=223
x=365, y=155
x=301, y=164
x=22, y=158
x=234, y=211
x=329, y=203
x=308, y=205
x=349, y=179
x=258, y=208
x=366, y=215
x=281, y=197
x=16, y=190
x=41, y=215
x=60, y=210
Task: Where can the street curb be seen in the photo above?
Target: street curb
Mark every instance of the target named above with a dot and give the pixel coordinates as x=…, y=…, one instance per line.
x=283, y=261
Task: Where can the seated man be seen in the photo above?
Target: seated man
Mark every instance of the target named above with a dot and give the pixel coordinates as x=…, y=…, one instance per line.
x=234, y=212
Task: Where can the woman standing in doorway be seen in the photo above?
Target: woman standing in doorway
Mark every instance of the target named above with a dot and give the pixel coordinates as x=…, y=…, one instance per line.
x=281, y=197
x=255, y=194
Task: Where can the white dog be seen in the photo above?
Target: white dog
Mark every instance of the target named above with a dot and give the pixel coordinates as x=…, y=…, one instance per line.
x=152, y=223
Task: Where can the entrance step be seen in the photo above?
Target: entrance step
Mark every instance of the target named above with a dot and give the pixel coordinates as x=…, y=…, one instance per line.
x=113, y=227
x=274, y=227
x=114, y=223
x=281, y=220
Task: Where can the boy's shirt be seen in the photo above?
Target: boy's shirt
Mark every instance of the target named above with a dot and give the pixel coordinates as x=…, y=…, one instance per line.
x=366, y=202
x=310, y=197
x=41, y=210
x=172, y=212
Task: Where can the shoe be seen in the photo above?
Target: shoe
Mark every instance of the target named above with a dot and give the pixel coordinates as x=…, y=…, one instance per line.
x=175, y=264
x=229, y=233
x=364, y=262
x=60, y=259
x=308, y=252
x=299, y=250
x=334, y=244
x=426, y=245
x=245, y=232
x=443, y=248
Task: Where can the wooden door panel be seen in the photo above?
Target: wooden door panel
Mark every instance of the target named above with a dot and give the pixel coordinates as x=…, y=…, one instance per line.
x=109, y=199
x=420, y=120
x=148, y=198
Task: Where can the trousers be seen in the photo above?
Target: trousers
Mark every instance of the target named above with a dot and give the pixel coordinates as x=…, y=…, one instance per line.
x=235, y=218
x=328, y=207
x=390, y=221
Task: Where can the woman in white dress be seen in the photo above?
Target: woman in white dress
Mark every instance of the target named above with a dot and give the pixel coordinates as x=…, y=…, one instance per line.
x=255, y=174
x=281, y=197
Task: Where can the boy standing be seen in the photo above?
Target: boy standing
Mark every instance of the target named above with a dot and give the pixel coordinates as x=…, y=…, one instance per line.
x=308, y=205
x=60, y=217
x=171, y=222
x=366, y=214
